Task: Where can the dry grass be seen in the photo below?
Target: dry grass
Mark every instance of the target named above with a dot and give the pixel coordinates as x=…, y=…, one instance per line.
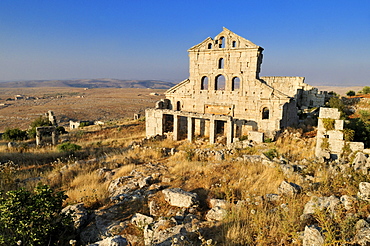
x=123, y=171
x=232, y=180
x=296, y=148
x=88, y=188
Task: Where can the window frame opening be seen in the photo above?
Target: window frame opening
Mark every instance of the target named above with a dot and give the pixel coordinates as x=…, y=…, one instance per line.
x=204, y=83
x=222, y=42
x=265, y=113
x=235, y=83
x=220, y=82
x=221, y=63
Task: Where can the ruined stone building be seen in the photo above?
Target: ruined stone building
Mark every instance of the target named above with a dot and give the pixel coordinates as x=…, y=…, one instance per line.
x=225, y=95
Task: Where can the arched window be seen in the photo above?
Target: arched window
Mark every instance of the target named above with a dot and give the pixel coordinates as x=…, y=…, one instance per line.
x=222, y=42
x=209, y=46
x=178, y=106
x=265, y=113
x=220, y=83
x=235, y=84
x=204, y=83
x=234, y=44
x=221, y=63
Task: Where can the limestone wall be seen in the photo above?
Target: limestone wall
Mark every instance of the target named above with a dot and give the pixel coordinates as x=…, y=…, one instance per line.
x=330, y=142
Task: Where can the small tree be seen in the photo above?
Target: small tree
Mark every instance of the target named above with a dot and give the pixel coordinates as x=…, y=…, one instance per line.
x=41, y=121
x=365, y=90
x=336, y=102
x=14, y=134
x=351, y=93
x=32, y=218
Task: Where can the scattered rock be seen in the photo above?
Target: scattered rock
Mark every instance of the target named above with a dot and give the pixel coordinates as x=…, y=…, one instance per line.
x=79, y=215
x=321, y=203
x=141, y=220
x=289, y=189
x=180, y=198
x=312, y=236
x=111, y=241
x=364, y=191
x=216, y=213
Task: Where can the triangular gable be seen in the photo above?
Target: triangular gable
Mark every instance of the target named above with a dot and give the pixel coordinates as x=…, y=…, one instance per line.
x=227, y=34
x=178, y=86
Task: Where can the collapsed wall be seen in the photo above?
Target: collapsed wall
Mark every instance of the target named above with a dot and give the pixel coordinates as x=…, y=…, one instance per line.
x=330, y=142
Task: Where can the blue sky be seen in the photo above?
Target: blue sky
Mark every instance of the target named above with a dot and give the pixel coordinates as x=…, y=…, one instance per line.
x=326, y=41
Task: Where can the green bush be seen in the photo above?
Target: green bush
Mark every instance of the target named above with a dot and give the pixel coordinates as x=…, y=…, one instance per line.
x=14, y=134
x=336, y=102
x=68, y=147
x=362, y=130
x=41, y=121
x=329, y=124
x=61, y=130
x=365, y=90
x=33, y=218
x=351, y=93
x=271, y=153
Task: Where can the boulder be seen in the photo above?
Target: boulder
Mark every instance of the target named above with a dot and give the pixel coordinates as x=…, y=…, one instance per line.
x=111, y=241
x=79, y=215
x=312, y=236
x=163, y=233
x=216, y=213
x=180, y=198
x=362, y=233
x=289, y=189
x=141, y=220
x=364, y=191
x=321, y=203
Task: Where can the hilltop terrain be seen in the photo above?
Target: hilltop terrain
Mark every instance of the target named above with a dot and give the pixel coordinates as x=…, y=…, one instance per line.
x=125, y=188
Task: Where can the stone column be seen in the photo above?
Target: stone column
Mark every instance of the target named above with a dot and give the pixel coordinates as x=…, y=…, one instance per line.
x=190, y=128
x=175, y=128
x=212, y=130
x=229, y=133
x=38, y=137
x=54, y=137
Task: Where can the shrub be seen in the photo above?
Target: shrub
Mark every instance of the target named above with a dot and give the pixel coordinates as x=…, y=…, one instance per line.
x=365, y=90
x=329, y=124
x=351, y=93
x=61, y=130
x=348, y=134
x=336, y=102
x=32, y=218
x=14, y=134
x=271, y=153
x=68, y=147
x=41, y=121
x=362, y=130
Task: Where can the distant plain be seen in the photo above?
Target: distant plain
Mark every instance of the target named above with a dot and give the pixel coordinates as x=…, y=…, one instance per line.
x=86, y=103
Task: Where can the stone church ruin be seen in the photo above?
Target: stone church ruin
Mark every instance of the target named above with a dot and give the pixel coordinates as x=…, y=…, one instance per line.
x=225, y=95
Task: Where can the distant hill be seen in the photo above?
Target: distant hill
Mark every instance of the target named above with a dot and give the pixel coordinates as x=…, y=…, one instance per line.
x=90, y=83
